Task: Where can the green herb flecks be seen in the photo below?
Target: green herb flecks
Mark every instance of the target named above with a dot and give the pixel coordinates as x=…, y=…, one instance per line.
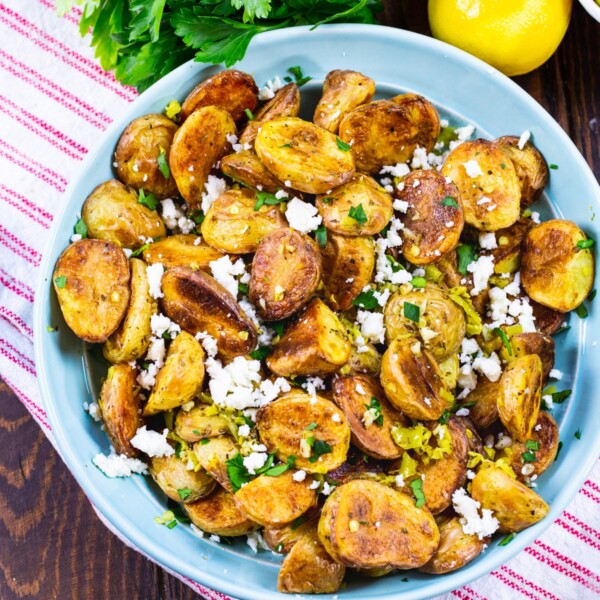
x=260, y=353
x=358, y=214
x=163, y=164
x=343, y=146
x=81, y=229
x=140, y=250
x=412, y=311
x=299, y=78
x=449, y=201
x=578, y=434
x=366, y=300
x=528, y=457
x=416, y=485
x=466, y=255
x=584, y=244
x=374, y=407
x=263, y=198
x=60, y=282
x=321, y=236
x=319, y=447
x=243, y=289
x=502, y=335
x=508, y=539
x=418, y=282
x=148, y=200
x=184, y=493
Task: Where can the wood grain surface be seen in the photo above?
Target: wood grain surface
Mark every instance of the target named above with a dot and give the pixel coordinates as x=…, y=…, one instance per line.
x=52, y=545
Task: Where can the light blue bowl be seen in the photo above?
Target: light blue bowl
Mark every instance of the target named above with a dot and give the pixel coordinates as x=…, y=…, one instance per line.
x=465, y=90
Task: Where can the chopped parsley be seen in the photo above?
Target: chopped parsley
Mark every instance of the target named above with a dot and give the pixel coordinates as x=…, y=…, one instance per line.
x=466, y=255
x=375, y=407
x=416, y=485
x=396, y=266
x=163, y=165
x=578, y=434
x=148, y=200
x=184, y=493
x=532, y=445
x=197, y=216
x=299, y=77
x=327, y=200
x=418, y=282
x=582, y=311
x=366, y=300
x=583, y=244
x=528, y=457
x=311, y=426
x=282, y=468
x=502, y=335
x=319, y=447
x=342, y=145
x=60, y=282
x=243, y=288
x=358, y=214
x=412, y=311
x=237, y=472
x=298, y=521
x=266, y=198
x=260, y=353
x=249, y=114
x=278, y=327
x=508, y=539
x=449, y=201
x=140, y=250
x=321, y=235
x=560, y=445
x=560, y=397
x=288, y=145
x=553, y=166
x=81, y=229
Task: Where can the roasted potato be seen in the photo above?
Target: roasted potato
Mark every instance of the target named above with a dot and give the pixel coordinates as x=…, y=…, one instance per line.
x=450, y=370
x=112, y=213
x=514, y=505
x=91, y=281
x=456, y=548
x=367, y=525
x=347, y=268
x=213, y=456
x=487, y=182
x=286, y=271
x=200, y=423
x=507, y=255
x=286, y=145
x=547, y=320
x=441, y=325
x=233, y=225
x=131, y=339
x=198, y=145
x=434, y=219
x=543, y=444
x=275, y=501
x=531, y=343
x=138, y=149
x=520, y=395
x=343, y=91
x=121, y=403
x=314, y=344
x=556, y=270
x=281, y=539
x=370, y=427
x=530, y=166
x=231, y=90
x=485, y=410
x=308, y=568
x=358, y=207
x=220, y=514
x=196, y=302
x=180, y=378
x=301, y=425
x=182, y=250
x=386, y=132
x=357, y=465
x=412, y=380
x=173, y=477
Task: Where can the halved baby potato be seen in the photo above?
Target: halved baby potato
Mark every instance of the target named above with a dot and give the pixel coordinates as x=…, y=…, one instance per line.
x=275, y=501
x=514, y=505
x=354, y=395
x=434, y=219
x=196, y=302
x=91, y=280
x=311, y=428
x=358, y=207
x=180, y=379
x=197, y=147
x=112, y=213
x=557, y=265
x=412, y=380
x=386, y=132
x=213, y=456
x=520, y=395
x=309, y=157
x=121, y=403
x=532, y=343
x=233, y=225
x=547, y=320
x=200, y=423
x=367, y=525
x=182, y=250
x=230, y=90
x=487, y=182
x=131, y=339
x=286, y=271
x=343, y=91
x=314, y=344
x=138, y=151
x=357, y=465
x=281, y=539
x=172, y=476
x=507, y=255
x=485, y=410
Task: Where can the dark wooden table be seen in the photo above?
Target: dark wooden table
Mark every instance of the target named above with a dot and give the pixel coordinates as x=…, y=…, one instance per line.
x=52, y=545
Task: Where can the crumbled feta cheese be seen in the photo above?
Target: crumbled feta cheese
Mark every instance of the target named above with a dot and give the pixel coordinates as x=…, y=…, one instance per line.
x=159, y=324
x=171, y=213
x=156, y=351
x=467, y=380
x=471, y=521
x=371, y=325
x=490, y=367
x=151, y=442
x=487, y=240
x=335, y=417
x=462, y=412
x=398, y=170
x=119, y=465
x=383, y=268
x=472, y=168
x=244, y=430
x=399, y=480
x=93, y=409
x=267, y=92
x=547, y=400
x=556, y=374
x=155, y=273
x=482, y=269
x=400, y=205
x=214, y=187
x=214, y=538
x=147, y=378
x=464, y=133
x=382, y=297
x=416, y=183
x=523, y=139
x=535, y=217
x=504, y=441
x=302, y=216
x=299, y=475
x=312, y=384
x=255, y=541
x=327, y=489
x=255, y=461
x=314, y=485
x=127, y=252
x=419, y=159
x=483, y=200
x=360, y=389
x=226, y=273
x=75, y=237
x=470, y=474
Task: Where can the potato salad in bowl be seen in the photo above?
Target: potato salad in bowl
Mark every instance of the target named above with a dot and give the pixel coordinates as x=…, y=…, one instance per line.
x=330, y=337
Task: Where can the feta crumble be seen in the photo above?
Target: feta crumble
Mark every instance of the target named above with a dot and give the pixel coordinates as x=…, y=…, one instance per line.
x=525, y=136
x=267, y=92
x=152, y=443
x=299, y=475
x=371, y=325
x=482, y=269
x=472, y=168
x=471, y=521
x=302, y=216
x=119, y=465
x=487, y=240
x=155, y=273
x=226, y=273
x=213, y=188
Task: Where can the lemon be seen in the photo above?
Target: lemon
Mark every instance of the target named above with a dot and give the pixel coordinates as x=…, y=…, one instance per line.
x=515, y=36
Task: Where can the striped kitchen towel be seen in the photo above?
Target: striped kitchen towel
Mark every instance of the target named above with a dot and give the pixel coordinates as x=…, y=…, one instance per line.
x=55, y=100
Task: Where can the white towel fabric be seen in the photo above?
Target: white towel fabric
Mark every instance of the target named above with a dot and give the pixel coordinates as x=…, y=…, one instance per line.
x=55, y=101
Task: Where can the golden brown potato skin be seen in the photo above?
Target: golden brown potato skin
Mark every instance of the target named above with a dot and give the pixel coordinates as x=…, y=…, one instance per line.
x=430, y=227
x=406, y=538
x=180, y=250
x=198, y=145
x=180, y=378
x=213, y=456
x=232, y=225
x=112, y=213
x=281, y=539
x=374, y=440
x=514, y=505
x=554, y=271
x=485, y=396
x=121, y=403
x=287, y=145
x=532, y=343
x=530, y=166
x=308, y=569
x=386, y=132
x=220, y=514
x=229, y=90
x=95, y=294
x=196, y=424
x=361, y=191
x=343, y=91
x=409, y=378
x=286, y=271
x=131, y=339
x=456, y=548
x=137, y=154
x=498, y=183
x=196, y=302
x=507, y=256
x=547, y=320
x=275, y=501
x=170, y=474
x=282, y=425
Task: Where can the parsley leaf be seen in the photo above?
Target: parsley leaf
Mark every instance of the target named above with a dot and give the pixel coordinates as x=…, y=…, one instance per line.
x=532, y=445
x=184, y=493
x=299, y=78
x=358, y=214
x=466, y=255
x=319, y=448
x=366, y=300
x=311, y=426
x=582, y=311
x=502, y=335
x=449, y=201
x=321, y=235
x=583, y=244
x=416, y=485
x=149, y=200
x=412, y=311
x=528, y=457
x=81, y=229
x=375, y=407
x=163, y=165
x=263, y=198
x=342, y=145
x=60, y=282
x=260, y=353
x=578, y=434
x=243, y=288
x=560, y=397
x=237, y=472
x=418, y=282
